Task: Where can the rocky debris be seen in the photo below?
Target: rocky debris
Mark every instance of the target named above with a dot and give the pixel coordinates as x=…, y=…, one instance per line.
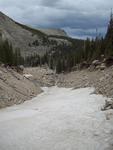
x=84, y=65
x=101, y=79
x=102, y=66
x=108, y=61
x=28, y=76
x=108, y=104
x=96, y=63
x=42, y=75
x=109, y=114
x=15, y=88
x=20, y=69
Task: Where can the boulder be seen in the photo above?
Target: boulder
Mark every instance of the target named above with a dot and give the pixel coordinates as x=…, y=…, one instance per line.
x=84, y=65
x=96, y=63
x=108, y=61
x=20, y=69
x=102, y=66
x=108, y=104
x=91, y=68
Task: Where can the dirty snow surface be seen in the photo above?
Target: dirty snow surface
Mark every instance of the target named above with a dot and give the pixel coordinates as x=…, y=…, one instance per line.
x=58, y=119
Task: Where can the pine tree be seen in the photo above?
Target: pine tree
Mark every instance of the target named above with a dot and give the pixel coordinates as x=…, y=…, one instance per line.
x=58, y=66
x=109, y=38
x=8, y=55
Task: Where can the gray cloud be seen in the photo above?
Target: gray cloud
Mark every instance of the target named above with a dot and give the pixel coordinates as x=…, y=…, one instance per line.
x=49, y=3
x=79, y=18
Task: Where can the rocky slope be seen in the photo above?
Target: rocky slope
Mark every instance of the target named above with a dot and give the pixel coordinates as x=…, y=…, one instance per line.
x=102, y=80
x=30, y=41
x=15, y=88
x=42, y=75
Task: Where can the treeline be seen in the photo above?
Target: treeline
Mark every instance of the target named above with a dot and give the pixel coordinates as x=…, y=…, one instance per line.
x=60, y=58
x=65, y=58
x=8, y=55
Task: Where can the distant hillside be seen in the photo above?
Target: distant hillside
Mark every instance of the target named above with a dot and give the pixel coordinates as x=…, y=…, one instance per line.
x=57, y=32
x=33, y=41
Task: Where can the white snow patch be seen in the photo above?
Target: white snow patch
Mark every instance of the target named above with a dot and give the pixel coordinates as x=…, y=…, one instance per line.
x=58, y=119
x=27, y=75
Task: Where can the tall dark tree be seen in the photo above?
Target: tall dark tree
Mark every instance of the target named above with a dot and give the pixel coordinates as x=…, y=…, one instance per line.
x=109, y=38
x=8, y=55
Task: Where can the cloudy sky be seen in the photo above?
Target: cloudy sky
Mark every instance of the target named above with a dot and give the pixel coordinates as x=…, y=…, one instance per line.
x=79, y=18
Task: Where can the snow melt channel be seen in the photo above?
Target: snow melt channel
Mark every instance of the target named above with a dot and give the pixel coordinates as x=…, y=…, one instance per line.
x=58, y=119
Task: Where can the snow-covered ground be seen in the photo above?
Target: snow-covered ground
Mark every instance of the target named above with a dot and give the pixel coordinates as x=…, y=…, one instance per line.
x=58, y=119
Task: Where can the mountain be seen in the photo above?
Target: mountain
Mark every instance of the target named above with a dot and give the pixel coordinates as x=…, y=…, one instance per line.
x=31, y=41
x=57, y=32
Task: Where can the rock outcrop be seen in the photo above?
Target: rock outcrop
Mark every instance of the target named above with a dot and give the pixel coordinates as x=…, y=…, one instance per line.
x=108, y=105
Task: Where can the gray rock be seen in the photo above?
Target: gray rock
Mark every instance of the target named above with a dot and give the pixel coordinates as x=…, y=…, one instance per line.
x=108, y=105
x=102, y=66
x=96, y=62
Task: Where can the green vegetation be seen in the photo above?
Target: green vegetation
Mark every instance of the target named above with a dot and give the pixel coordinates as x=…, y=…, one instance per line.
x=8, y=55
x=63, y=58
x=60, y=58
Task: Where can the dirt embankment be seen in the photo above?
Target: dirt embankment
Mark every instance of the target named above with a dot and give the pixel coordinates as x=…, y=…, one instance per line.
x=15, y=88
x=102, y=80
x=42, y=75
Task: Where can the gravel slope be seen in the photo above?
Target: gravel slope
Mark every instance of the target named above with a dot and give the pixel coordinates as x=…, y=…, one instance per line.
x=102, y=80
x=15, y=88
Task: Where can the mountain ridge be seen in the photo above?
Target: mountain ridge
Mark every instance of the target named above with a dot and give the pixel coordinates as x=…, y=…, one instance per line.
x=54, y=31
x=29, y=40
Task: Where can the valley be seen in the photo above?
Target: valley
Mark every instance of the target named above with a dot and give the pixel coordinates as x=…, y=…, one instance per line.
x=56, y=91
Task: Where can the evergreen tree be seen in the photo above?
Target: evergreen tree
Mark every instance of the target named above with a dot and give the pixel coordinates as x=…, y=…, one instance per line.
x=8, y=55
x=58, y=66
x=109, y=38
